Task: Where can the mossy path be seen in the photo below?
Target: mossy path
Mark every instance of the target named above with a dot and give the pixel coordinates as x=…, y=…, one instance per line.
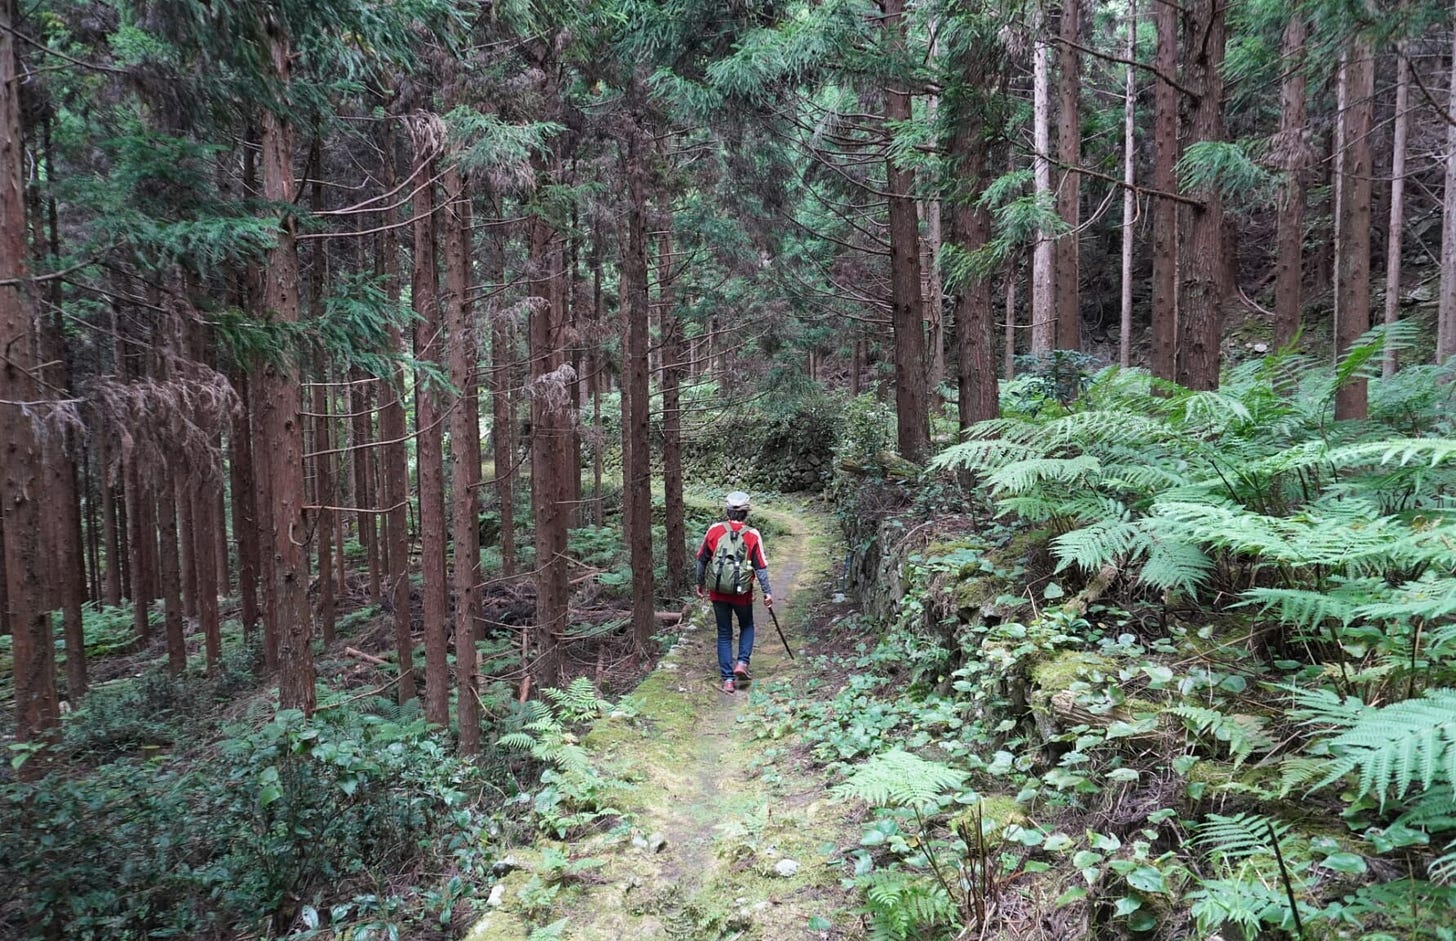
x=722, y=837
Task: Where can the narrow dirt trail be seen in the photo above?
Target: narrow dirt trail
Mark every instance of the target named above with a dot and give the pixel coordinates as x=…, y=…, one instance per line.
x=726, y=836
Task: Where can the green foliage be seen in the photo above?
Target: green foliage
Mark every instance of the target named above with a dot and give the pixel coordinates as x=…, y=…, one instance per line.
x=573, y=791
x=903, y=906
x=1393, y=748
x=284, y=809
x=900, y=779
x=867, y=427
x=1225, y=168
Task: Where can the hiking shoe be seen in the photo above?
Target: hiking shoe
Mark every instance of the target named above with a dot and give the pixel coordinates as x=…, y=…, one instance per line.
x=729, y=686
x=741, y=671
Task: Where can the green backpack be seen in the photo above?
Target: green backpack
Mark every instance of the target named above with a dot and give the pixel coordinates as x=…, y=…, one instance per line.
x=731, y=572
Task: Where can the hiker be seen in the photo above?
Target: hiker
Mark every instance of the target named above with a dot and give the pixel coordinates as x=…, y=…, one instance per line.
x=729, y=558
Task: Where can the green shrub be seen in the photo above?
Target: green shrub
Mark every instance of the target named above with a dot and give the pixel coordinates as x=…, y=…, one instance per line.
x=174, y=848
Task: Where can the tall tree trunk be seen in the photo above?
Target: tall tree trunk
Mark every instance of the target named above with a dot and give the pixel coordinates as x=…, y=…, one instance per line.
x=934, y=293
x=1129, y=198
x=1396, y=236
x=1353, y=287
x=361, y=405
x=429, y=436
x=169, y=498
x=598, y=376
x=672, y=466
x=67, y=568
x=1165, y=311
x=395, y=456
x=142, y=543
x=1008, y=364
x=91, y=493
x=502, y=412
x=209, y=618
x=912, y=407
x=464, y=455
x=1292, y=147
x=1446, y=303
x=244, y=506
x=187, y=536
x=324, y=486
x=1069, y=188
x=1043, y=252
x=637, y=464
x=970, y=229
x=245, y=512
x=282, y=424
x=1200, y=304
x=263, y=510
x=37, y=709
x=220, y=538
x=551, y=406
x=110, y=524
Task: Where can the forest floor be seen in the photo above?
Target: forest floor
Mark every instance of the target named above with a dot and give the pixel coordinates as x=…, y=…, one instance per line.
x=723, y=833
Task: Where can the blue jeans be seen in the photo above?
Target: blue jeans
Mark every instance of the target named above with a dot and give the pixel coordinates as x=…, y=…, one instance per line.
x=724, y=611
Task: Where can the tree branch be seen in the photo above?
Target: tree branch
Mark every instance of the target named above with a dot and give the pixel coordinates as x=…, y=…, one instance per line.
x=1145, y=66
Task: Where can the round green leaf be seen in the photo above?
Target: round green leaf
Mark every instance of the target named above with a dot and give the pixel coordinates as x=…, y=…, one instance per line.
x=1351, y=864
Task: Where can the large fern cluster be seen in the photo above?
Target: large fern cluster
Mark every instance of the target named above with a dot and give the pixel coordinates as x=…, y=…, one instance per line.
x=1249, y=492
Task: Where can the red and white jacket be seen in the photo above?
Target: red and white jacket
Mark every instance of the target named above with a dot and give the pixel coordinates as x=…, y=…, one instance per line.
x=752, y=543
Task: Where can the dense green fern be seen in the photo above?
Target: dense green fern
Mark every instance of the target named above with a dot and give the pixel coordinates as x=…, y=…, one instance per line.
x=904, y=905
x=1393, y=748
x=900, y=779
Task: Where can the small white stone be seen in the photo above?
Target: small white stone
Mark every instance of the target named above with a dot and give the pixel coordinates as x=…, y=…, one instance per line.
x=1261, y=347
x=786, y=868
x=497, y=895
x=839, y=598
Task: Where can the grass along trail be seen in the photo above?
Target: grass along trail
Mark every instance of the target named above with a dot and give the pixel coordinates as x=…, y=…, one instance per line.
x=721, y=837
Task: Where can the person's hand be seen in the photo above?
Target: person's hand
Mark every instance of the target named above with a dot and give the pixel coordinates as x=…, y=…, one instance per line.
x=768, y=601
x=699, y=590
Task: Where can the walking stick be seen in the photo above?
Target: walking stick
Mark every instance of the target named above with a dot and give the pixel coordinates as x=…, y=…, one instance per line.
x=781, y=632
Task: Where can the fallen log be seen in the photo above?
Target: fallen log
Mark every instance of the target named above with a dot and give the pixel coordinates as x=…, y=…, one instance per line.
x=368, y=657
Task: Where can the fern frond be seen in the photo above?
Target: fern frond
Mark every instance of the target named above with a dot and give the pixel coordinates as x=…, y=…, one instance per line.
x=903, y=906
x=1211, y=412
x=1239, y=837
x=1309, y=609
x=1430, y=597
x=579, y=701
x=1019, y=476
x=1173, y=563
x=980, y=454
x=1106, y=540
x=1095, y=427
x=1398, y=746
x=1244, y=734
x=899, y=779
x=1431, y=452
x=517, y=741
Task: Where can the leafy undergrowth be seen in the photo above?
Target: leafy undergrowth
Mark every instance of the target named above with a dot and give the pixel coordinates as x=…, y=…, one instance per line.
x=1172, y=665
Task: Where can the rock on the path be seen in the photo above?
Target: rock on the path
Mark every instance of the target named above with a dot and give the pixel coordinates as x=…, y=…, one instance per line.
x=786, y=868
x=497, y=895
x=657, y=842
x=503, y=866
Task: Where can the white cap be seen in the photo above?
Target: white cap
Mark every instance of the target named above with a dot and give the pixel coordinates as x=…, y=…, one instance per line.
x=737, y=500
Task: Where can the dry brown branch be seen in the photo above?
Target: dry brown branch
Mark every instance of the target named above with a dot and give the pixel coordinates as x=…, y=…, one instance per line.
x=157, y=421
x=367, y=657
